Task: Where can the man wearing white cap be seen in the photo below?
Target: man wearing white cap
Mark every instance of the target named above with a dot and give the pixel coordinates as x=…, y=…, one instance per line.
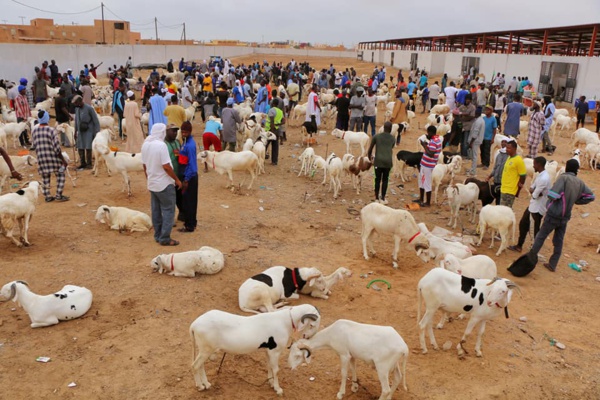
x=135, y=135
x=161, y=184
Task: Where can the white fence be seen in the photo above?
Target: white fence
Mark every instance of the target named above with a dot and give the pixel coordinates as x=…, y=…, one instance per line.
x=19, y=60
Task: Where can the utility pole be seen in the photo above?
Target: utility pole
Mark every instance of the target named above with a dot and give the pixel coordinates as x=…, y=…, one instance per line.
x=22, y=20
x=184, y=38
x=156, y=29
x=103, y=34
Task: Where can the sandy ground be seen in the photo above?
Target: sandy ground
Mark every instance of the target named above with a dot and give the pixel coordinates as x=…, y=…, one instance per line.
x=134, y=342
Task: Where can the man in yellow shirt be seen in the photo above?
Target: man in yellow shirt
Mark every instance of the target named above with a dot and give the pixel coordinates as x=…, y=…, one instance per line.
x=513, y=175
x=170, y=86
x=400, y=112
x=207, y=84
x=175, y=113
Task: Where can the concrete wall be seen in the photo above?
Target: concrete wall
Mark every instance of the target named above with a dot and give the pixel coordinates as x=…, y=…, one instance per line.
x=19, y=60
x=437, y=63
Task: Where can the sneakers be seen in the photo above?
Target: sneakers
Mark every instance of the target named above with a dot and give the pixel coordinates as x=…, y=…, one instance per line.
x=383, y=201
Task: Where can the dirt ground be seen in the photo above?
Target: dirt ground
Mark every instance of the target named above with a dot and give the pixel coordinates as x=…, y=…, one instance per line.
x=134, y=341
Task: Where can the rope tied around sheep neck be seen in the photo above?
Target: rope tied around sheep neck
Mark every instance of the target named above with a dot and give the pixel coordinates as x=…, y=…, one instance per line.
x=413, y=237
x=172, y=266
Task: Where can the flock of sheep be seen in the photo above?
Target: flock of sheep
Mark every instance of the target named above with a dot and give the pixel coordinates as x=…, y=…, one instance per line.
x=464, y=283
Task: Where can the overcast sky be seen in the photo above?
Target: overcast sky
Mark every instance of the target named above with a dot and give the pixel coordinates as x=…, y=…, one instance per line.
x=316, y=21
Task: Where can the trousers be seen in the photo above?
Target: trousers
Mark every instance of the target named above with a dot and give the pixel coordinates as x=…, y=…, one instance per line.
x=381, y=180
x=163, y=213
x=369, y=120
x=525, y=224
x=60, y=183
x=356, y=124
x=559, y=227
x=189, y=203
x=474, y=157
x=485, y=152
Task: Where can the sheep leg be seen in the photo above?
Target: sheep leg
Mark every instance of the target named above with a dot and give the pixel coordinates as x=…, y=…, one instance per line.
x=324, y=175
x=274, y=368
x=8, y=230
x=493, y=234
x=479, y=336
x=253, y=176
x=470, y=325
x=24, y=226
x=365, y=239
x=384, y=379
x=444, y=319
x=396, y=249
x=230, y=176
x=423, y=324
x=345, y=360
x=199, y=372
x=354, y=387
x=503, y=243
x=482, y=231
x=48, y=322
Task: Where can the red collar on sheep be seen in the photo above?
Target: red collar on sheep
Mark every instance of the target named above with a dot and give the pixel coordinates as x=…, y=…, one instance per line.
x=172, y=266
x=294, y=280
x=413, y=237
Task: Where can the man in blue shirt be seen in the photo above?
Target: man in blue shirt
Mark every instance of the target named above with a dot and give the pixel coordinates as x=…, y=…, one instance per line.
x=513, y=117
x=422, y=81
x=411, y=91
x=188, y=173
x=491, y=126
x=118, y=106
x=462, y=93
x=549, y=115
x=582, y=108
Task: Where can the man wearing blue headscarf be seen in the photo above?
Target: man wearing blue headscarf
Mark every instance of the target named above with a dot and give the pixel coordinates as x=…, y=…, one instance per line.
x=262, y=98
x=49, y=156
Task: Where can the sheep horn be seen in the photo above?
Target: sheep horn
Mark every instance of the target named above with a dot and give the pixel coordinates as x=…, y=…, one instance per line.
x=496, y=278
x=23, y=282
x=314, y=317
x=307, y=352
x=13, y=292
x=512, y=285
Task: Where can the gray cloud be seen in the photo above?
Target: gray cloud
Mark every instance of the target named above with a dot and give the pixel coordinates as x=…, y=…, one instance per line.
x=319, y=21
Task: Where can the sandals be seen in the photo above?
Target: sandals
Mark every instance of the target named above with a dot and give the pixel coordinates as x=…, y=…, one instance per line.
x=171, y=242
x=49, y=199
x=518, y=249
x=61, y=198
x=185, y=230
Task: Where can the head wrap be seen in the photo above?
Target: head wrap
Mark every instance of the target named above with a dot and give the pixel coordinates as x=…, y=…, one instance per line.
x=22, y=87
x=23, y=81
x=43, y=118
x=129, y=93
x=158, y=132
x=230, y=101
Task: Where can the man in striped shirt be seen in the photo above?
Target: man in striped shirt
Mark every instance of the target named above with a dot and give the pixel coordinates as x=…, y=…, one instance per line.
x=431, y=153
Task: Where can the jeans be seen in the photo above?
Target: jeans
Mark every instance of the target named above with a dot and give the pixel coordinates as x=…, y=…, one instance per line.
x=559, y=227
x=464, y=144
x=369, y=120
x=547, y=143
x=120, y=115
x=381, y=180
x=190, y=204
x=474, y=157
x=486, y=146
x=355, y=122
x=163, y=213
x=525, y=224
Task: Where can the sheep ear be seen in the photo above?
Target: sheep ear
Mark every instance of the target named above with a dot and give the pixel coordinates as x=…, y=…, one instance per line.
x=106, y=209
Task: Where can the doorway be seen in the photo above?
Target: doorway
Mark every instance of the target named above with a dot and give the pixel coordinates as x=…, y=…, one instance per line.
x=392, y=61
x=558, y=80
x=414, y=57
x=359, y=55
x=372, y=56
x=470, y=64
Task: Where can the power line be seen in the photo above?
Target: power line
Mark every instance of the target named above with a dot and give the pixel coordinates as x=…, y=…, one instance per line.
x=53, y=12
x=169, y=26
x=124, y=19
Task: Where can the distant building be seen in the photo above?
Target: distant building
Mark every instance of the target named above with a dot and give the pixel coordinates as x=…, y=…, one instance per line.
x=44, y=30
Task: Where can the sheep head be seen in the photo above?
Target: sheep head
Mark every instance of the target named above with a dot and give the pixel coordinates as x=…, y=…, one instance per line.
x=310, y=327
x=299, y=353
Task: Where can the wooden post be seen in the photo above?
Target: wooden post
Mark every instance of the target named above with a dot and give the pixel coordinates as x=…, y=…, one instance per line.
x=545, y=43
x=593, y=41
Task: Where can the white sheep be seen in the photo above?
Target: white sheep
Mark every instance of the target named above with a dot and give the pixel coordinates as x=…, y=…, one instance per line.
x=45, y=105
x=227, y=162
x=351, y=138
x=483, y=299
x=69, y=303
x=442, y=172
x=260, y=148
x=385, y=220
x=306, y=158
x=440, y=109
x=583, y=136
x=69, y=132
x=17, y=208
x=18, y=163
x=8, y=115
x=329, y=280
x=501, y=219
x=123, y=219
x=358, y=169
x=462, y=195
x=380, y=345
x=190, y=112
x=206, y=261
x=565, y=121
x=235, y=334
x=268, y=290
x=120, y=161
x=592, y=152
x=15, y=129
x=320, y=163
x=335, y=168
x=106, y=122
x=99, y=144
x=561, y=111
x=439, y=247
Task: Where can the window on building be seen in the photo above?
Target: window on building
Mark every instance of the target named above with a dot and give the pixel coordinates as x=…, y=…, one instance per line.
x=120, y=25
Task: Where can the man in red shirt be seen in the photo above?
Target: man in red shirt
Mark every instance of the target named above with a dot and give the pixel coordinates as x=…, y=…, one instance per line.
x=22, y=112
